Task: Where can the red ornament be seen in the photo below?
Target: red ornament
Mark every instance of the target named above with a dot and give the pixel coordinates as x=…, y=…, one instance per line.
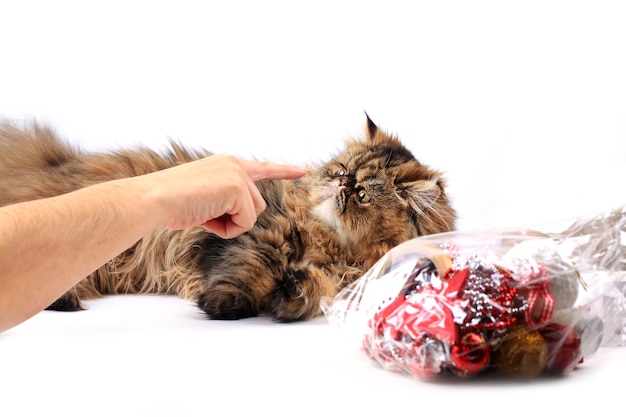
x=471, y=354
x=447, y=322
x=563, y=348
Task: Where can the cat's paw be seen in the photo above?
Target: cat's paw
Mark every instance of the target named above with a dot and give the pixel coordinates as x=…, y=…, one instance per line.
x=290, y=300
x=226, y=304
x=66, y=302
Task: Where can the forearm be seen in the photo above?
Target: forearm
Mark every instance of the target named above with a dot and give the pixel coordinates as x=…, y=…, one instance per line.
x=47, y=246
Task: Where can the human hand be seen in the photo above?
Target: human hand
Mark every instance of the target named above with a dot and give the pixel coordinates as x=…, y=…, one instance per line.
x=217, y=192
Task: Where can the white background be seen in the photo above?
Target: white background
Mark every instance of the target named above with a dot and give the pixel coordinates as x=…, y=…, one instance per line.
x=521, y=104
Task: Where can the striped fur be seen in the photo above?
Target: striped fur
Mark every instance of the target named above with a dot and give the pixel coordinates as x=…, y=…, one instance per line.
x=318, y=233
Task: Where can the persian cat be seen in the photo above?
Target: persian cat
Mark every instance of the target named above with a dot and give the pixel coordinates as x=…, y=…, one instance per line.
x=318, y=234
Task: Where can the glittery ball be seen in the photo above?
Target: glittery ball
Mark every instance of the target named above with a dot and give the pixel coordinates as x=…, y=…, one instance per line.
x=523, y=354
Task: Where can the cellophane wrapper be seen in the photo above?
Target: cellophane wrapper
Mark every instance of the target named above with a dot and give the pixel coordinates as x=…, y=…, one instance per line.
x=518, y=303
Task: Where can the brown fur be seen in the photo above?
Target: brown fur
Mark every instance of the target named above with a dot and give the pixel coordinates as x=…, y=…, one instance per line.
x=314, y=238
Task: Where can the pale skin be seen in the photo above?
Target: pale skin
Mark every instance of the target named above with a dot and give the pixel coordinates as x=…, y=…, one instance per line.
x=47, y=246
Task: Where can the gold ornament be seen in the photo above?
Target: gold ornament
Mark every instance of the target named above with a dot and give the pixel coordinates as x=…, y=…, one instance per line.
x=523, y=354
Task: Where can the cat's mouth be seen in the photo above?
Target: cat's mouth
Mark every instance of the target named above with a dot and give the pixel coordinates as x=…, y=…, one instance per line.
x=330, y=209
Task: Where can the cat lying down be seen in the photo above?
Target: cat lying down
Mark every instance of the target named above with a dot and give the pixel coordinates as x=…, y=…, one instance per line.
x=318, y=234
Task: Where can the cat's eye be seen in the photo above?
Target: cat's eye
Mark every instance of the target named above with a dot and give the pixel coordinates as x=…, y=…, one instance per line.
x=364, y=197
x=341, y=172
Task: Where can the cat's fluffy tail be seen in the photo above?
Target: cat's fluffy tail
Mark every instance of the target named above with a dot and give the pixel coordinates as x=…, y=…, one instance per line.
x=31, y=148
x=36, y=163
x=28, y=154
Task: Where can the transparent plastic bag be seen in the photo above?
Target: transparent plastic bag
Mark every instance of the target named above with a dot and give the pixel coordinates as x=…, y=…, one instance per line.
x=519, y=303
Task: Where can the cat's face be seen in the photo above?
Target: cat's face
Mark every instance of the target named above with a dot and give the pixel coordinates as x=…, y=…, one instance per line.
x=376, y=191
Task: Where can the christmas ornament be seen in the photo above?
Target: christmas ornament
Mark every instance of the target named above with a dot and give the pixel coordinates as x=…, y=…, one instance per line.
x=515, y=303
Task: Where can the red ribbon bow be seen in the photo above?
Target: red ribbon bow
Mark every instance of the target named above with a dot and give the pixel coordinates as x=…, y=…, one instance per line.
x=430, y=310
x=537, y=284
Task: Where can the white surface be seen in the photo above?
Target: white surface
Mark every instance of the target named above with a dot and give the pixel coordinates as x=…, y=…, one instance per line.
x=158, y=356
x=522, y=104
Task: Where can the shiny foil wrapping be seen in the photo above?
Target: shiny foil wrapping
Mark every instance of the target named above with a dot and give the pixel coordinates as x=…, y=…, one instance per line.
x=513, y=303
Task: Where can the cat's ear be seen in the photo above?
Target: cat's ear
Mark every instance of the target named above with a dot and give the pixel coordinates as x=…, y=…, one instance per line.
x=428, y=203
x=422, y=194
x=372, y=129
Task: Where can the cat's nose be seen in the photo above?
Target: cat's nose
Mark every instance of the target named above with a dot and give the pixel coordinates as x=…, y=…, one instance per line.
x=347, y=181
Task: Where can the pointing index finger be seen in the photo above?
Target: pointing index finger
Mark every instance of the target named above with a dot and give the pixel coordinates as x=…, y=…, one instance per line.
x=263, y=170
